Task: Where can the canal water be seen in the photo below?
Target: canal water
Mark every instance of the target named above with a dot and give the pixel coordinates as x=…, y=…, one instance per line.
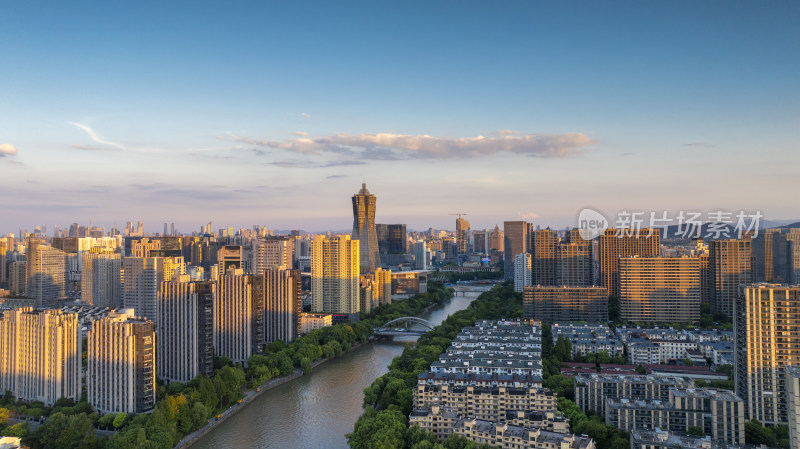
x=316, y=411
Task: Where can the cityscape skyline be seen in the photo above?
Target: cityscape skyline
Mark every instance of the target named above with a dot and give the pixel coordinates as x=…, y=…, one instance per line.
x=506, y=112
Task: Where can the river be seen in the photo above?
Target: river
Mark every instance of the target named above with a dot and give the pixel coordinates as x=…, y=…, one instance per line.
x=316, y=411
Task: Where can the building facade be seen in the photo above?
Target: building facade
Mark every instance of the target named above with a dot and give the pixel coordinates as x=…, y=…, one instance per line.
x=121, y=372
x=557, y=304
x=238, y=315
x=282, y=304
x=767, y=338
x=729, y=267
x=46, y=272
x=40, y=355
x=616, y=243
x=515, y=241
x=101, y=283
x=364, y=230
x=335, y=274
x=523, y=276
x=185, y=329
x=665, y=289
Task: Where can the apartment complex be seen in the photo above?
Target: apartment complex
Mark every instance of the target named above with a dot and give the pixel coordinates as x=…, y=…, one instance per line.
x=101, y=284
x=335, y=274
x=121, y=372
x=730, y=266
x=665, y=289
x=40, y=355
x=556, y=304
x=238, y=315
x=185, y=329
x=616, y=243
x=592, y=390
x=282, y=304
x=767, y=338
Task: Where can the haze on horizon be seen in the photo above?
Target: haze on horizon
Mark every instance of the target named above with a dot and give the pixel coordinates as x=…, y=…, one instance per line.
x=273, y=113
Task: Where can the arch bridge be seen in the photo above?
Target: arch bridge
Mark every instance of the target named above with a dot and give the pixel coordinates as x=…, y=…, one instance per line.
x=407, y=325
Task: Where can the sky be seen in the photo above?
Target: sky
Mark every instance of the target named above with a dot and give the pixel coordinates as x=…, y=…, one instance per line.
x=274, y=113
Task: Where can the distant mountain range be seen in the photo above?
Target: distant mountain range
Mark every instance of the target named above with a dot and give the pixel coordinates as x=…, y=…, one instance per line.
x=716, y=231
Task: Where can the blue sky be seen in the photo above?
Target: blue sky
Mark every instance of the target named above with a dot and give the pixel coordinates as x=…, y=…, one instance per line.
x=272, y=113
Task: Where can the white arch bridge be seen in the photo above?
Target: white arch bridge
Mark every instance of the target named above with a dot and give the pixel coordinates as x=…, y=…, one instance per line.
x=407, y=325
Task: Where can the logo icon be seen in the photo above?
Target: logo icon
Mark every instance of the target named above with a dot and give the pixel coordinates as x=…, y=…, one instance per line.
x=591, y=224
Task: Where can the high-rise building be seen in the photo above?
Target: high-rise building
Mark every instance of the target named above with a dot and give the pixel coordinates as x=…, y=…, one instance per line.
x=462, y=235
x=420, y=255
x=379, y=284
x=185, y=329
x=616, y=243
x=101, y=284
x=40, y=355
x=729, y=267
x=557, y=304
x=17, y=278
x=786, y=256
x=3, y=265
x=762, y=255
x=282, y=304
x=792, y=376
x=121, y=372
x=766, y=328
x=480, y=241
x=523, y=276
x=659, y=289
x=46, y=272
x=573, y=264
x=335, y=275
x=142, y=280
x=272, y=252
x=496, y=240
x=364, y=230
x=238, y=315
x=229, y=256
x=515, y=241
x=142, y=247
x=544, y=244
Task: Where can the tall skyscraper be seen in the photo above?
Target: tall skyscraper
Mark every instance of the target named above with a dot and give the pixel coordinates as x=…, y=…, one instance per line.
x=462, y=235
x=185, y=329
x=3, y=251
x=282, y=304
x=762, y=255
x=480, y=241
x=364, y=229
x=100, y=278
x=730, y=266
x=335, y=275
x=238, y=315
x=420, y=255
x=40, y=355
x=515, y=241
x=46, y=272
x=523, y=277
x=616, y=243
x=786, y=256
x=543, y=243
x=121, y=372
x=766, y=329
x=663, y=289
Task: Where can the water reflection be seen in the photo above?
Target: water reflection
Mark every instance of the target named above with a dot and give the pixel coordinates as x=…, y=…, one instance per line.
x=318, y=410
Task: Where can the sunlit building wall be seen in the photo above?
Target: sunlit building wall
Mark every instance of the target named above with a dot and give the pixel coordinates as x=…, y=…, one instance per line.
x=46, y=272
x=100, y=278
x=121, y=372
x=659, y=289
x=40, y=355
x=766, y=328
x=730, y=266
x=554, y=304
x=142, y=280
x=364, y=230
x=616, y=243
x=335, y=274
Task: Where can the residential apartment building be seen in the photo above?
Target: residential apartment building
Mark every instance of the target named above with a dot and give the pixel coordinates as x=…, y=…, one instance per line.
x=659, y=289
x=238, y=315
x=335, y=275
x=563, y=304
x=616, y=243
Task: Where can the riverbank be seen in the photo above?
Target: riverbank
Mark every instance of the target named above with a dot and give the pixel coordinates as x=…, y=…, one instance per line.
x=250, y=396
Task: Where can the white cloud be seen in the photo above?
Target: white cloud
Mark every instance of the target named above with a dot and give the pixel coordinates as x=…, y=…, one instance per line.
x=301, y=134
x=305, y=114
x=6, y=149
x=529, y=216
x=504, y=132
x=388, y=146
x=97, y=138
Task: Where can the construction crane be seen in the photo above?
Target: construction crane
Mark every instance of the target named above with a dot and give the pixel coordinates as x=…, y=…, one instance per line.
x=459, y=215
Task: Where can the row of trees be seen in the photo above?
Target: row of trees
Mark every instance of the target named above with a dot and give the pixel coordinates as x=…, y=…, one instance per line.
x=388, y=401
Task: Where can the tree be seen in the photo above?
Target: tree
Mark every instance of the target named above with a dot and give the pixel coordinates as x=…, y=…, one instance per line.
x=384, y=429
x=305, y=365
x=106, y=420
x=60, y=430
x=696, y=431
x=547, y=340
x=119, y=420
x=4, y=415
x=19, y=430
